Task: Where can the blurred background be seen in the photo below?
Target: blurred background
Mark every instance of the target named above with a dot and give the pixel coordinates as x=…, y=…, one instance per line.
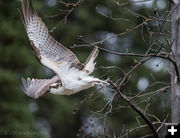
x=53, y=116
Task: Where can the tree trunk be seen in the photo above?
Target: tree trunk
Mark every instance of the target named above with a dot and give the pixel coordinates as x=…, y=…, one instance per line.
x=175, y=103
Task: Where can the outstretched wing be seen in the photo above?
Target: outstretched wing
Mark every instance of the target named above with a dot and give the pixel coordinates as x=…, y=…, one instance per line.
x=36, y=87
x=41, y=41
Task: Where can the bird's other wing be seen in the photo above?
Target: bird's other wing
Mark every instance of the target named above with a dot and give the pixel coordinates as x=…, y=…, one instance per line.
x=36, y=87
x=90, y=64
x=41, y=41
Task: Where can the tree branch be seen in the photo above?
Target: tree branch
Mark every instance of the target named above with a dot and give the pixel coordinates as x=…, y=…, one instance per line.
x=137, y=110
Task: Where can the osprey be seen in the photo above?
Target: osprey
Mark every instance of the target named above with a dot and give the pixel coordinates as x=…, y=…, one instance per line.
x=72, y=76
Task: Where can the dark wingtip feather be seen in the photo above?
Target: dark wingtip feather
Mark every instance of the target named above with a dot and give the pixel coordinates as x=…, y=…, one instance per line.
x=22, y=17
x=31, y=7
x=23, y=12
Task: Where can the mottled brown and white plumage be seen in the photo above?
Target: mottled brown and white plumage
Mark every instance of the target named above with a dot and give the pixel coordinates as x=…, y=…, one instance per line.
x=72, y=76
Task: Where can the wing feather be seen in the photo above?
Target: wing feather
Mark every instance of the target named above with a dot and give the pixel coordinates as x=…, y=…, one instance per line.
x=89, y=65
x=93, y=55
x=36, y=87
x=24, y=83
x=41, y=41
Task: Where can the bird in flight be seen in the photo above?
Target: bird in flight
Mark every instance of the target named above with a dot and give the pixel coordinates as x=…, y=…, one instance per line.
x=71, y=75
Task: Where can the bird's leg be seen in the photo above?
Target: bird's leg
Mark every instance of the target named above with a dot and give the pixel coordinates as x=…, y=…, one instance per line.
x=96, y=81
x=102, y=83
